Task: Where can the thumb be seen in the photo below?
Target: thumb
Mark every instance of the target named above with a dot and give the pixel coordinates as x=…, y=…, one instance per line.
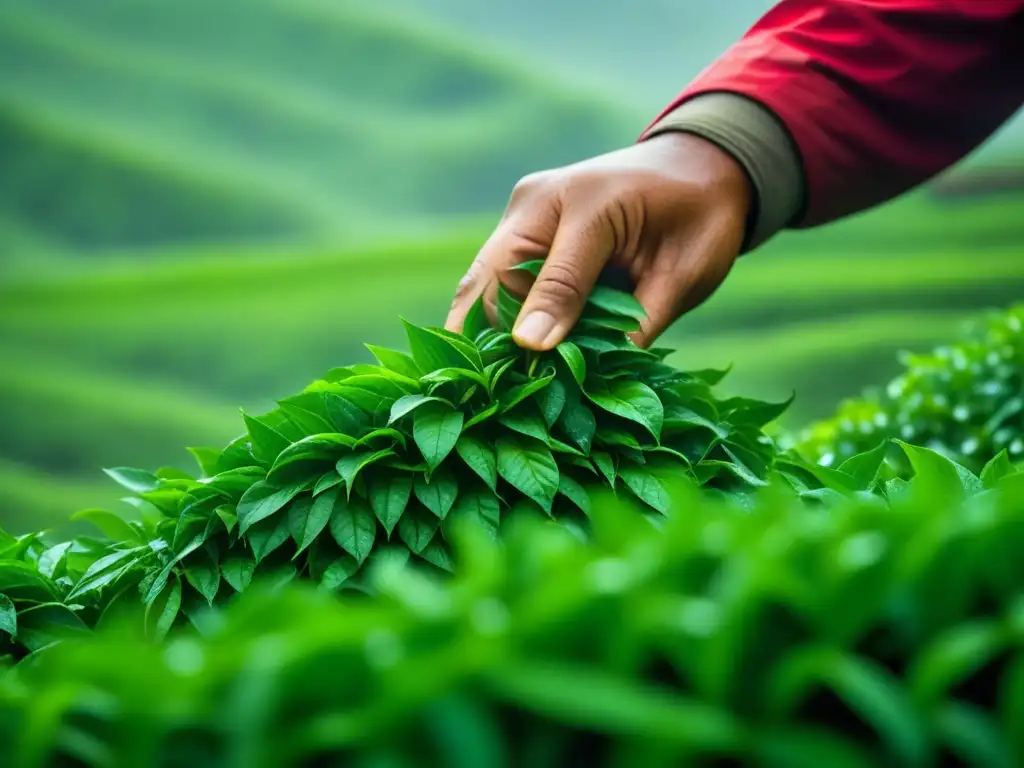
x=581, y=248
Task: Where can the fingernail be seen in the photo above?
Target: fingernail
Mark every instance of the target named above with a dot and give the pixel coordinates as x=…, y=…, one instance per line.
x=533, y=329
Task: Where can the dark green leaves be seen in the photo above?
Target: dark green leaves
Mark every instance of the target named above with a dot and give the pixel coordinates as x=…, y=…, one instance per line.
x=529, y=467
x=389, y=494
x=479, y=457
x=353, y=527
x=630, y=400
x=436, y=429
x=8, y=616
x=262, y=500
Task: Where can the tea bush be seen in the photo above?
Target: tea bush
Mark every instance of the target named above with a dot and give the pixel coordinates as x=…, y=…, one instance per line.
x=965, y=400
x=883, y=630
x=382, y=460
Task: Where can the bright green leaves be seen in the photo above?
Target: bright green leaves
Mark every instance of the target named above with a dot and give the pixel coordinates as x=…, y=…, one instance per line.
x=267, y=442
x=307, y=517
x=529, y=467
x=508, y=308
x=8, y=616
x=646, y=486
x=262, y=500
x=438, y=493
x=479, y=457
x=389, y=494
x=136, y=480
x=352, y=525
x=632, y=400
x=433, y=348
x=573, y=358
x=436, y=429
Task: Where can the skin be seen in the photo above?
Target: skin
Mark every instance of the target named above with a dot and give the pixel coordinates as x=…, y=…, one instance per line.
x=668, y=213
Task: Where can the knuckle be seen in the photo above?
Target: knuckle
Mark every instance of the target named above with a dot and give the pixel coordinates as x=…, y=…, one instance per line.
x=559, y=285
x=530, y=184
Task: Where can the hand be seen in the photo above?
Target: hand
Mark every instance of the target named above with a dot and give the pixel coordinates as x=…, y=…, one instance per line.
x=670, y=212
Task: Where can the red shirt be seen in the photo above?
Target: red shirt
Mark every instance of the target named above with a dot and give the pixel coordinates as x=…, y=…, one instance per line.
x=879, y=95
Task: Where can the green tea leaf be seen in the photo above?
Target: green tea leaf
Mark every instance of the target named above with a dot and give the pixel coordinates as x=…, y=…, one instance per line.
x=575, y=492
x=350, y=466
x=237, y=571
x=752, y=413
x=389, y=494
x=381, y=436
x=996, y=469
x=577, y=422
x=399, y=362
x=409, y=403
x=267, y=442
x=137, y=480
x=353, y=526
x=432, y=348
x=939, y=474
x=416, y=529
x=630, y=400
x=338, y=572
x=42, y=625
x=436, y=429
x=479, y=507
x=262, y=500
x=476, y=319
x=529, y=467
x=605, y=466
x=518, y=394
x=8, y=616
x=607, y=322
x=437, y=554
x=447, y=375
x=551, y=400
x=616, y=302
x=110, y=525
x=206, y=458
x=531, y=267
x=307, y=422
x=438, y=494
x=864, y=467
x=307, y=517
x=203, y=574
x=267, y=535
x=479, y=457
x=328, y=480
x=574, y=359
x=487, y=413
x=508, y=308
x=163, y=610
x=526, y=421
x=646, y=487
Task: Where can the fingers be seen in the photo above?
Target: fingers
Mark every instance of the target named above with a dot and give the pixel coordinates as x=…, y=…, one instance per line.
x=582, y=246
x=681, y=279
x=525, y=232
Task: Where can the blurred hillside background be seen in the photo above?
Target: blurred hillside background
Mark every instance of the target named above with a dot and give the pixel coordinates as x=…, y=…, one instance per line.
x=205, y=205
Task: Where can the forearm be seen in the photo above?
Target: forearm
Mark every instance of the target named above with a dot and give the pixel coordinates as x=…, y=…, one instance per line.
x=874, y=97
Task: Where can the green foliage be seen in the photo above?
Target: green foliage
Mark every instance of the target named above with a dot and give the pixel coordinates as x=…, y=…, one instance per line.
x=885, y=630
x=380, y=461
x=965, y=400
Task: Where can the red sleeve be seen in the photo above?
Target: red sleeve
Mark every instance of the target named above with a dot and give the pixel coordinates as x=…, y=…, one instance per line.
x=878, y=95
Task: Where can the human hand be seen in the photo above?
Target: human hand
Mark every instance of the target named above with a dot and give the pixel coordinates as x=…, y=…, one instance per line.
x=670, y=212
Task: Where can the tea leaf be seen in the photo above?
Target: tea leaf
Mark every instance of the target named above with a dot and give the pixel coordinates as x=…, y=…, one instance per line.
x=389, y=494
x=432, y=349
x=110, y=525
x=267, y=535
x=864, y=467
x=206, y=458
x=350, y=466
x=526, y=421
x=267, y=442
x=307, y=517
x=262, y=500
x=631, y=400
x=551, y=400
x=478, y=507
x=529, y=467
x=479, y=457
x=338, y=572
x=237, y=571
x=438, y=493
x=646, y=487
x=8, y=616
x=436, y=429
x=203, y=574
x=354, y=528
x=508, y=308
x=417, y=529
x=399, y=362
x=575, y=492
x=574, y=359
x=476, y=319
x=409, y=403
x=996, y=469
x=136, y=480
x=616, y=302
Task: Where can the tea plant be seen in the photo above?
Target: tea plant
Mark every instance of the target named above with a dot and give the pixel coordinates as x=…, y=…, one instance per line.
x=379, y=461
x=965, y=400
x=881, y=631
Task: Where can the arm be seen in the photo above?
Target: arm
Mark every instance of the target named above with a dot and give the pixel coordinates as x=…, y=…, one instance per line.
x=833, y=106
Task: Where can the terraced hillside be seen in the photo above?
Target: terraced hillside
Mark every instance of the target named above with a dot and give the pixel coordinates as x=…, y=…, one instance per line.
x=126, y=124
